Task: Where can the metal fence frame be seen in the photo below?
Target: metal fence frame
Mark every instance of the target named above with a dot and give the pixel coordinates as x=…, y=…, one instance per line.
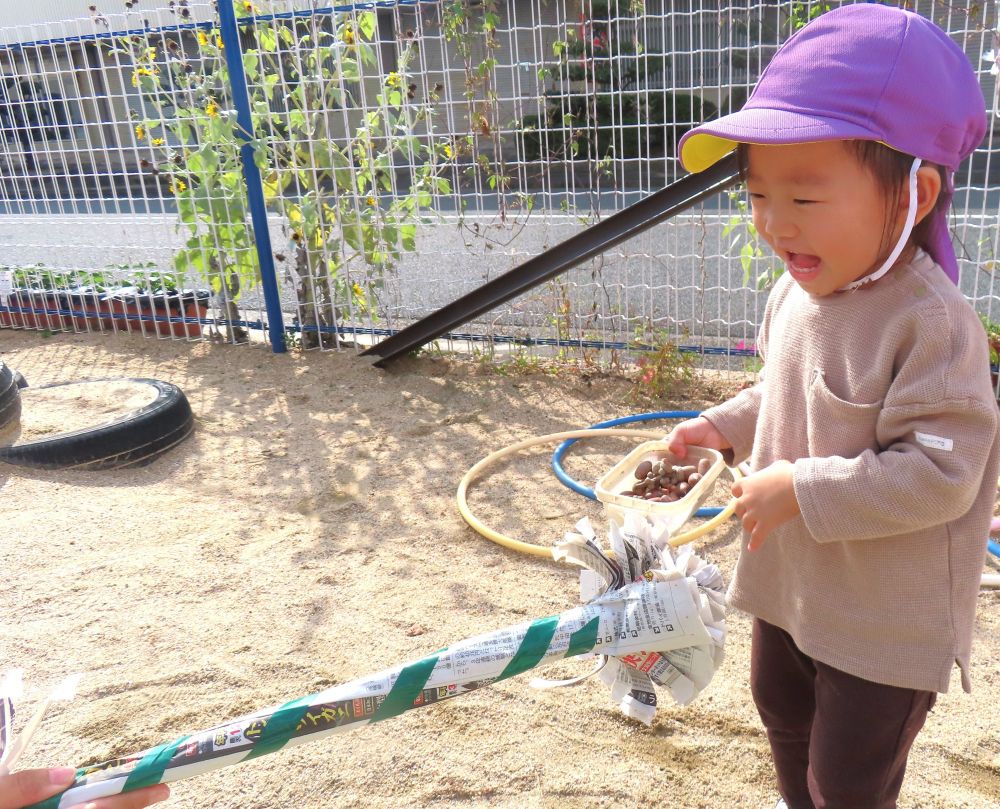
x=511, y=104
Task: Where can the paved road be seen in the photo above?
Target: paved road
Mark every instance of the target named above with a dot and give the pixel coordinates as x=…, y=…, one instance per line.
x=674, y=271
x=680, y=276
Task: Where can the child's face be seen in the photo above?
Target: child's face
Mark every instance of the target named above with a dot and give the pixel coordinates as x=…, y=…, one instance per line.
x=820, y=210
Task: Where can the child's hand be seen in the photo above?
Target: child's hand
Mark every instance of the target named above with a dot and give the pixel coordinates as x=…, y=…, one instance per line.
x=697, y=431
x=31, y=786
x=765, y=500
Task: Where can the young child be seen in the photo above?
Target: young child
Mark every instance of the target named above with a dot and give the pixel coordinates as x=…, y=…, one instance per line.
x=872, y=436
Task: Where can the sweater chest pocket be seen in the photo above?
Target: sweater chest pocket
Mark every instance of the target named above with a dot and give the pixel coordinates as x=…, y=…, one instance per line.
x=837, y=426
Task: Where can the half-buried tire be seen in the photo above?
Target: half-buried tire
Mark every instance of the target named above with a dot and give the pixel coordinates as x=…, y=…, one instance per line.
x=133, y=438
x=10, y=397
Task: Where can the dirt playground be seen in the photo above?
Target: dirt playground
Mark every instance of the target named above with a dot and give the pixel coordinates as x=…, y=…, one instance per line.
x=307, y=534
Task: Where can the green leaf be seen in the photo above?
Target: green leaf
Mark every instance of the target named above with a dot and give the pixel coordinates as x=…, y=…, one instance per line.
x=338, y=96
x=250, y=64
x=270, y=80
x=367, y=54
x=408, y=237
x=232, y=181
x=296, y=122
x=267, y=39
x=204, y=161
x=345, y=179
x=746, y=260
x=367, y=23
x=188, y=259
x=186, y=211
x=349, y=70
x=352, y=234
x=260, y=159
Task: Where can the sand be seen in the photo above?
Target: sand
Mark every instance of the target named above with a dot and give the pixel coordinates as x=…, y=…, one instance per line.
x=52, y=410
x=307, y=534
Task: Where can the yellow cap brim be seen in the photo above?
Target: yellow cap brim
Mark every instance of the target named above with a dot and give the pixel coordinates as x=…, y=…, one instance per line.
x=701, y=150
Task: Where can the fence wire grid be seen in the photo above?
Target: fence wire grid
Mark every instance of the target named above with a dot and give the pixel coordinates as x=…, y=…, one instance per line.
x=400, y=155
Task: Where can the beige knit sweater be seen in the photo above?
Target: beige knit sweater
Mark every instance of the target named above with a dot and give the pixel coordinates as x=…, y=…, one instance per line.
x=882, y=399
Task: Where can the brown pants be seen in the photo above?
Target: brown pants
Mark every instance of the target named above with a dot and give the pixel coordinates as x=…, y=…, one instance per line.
x=838, y=741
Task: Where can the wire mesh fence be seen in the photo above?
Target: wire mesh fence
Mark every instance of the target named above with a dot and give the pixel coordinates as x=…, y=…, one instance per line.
x=401, y=154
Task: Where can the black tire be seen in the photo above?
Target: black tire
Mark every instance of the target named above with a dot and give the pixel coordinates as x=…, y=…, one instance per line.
x=10, y=396
x=134, y=439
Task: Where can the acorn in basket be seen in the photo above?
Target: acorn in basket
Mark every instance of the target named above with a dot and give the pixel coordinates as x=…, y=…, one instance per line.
x=663, y=482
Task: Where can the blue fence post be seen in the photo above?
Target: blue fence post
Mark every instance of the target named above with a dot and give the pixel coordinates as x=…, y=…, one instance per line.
x=251, y=174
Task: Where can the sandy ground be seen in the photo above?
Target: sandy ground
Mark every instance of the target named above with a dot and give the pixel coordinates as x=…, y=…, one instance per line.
x=307, y=535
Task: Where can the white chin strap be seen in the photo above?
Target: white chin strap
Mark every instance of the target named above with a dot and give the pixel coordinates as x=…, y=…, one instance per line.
x=911, y=218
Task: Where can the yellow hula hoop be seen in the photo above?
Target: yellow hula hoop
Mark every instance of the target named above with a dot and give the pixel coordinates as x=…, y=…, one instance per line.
x=537, y=550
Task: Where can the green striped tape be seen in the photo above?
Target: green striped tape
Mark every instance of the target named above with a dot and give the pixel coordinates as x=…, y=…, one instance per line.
x=150, y=768
x=584, y=639
x=406, y=689
x=51, y=803
x=279, y=727
x=533, y=647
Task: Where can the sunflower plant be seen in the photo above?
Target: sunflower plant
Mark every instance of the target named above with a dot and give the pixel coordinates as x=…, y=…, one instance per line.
x=337, y=191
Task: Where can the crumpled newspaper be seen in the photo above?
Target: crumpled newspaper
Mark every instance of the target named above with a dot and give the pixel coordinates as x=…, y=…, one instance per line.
x=639, y=552
x=11, y=688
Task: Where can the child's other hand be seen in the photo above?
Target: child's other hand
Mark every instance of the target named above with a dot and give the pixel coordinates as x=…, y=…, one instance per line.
x=765, y=500
x=697, y=431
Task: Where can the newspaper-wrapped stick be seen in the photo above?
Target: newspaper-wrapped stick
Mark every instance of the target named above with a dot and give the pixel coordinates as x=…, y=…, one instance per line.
x=654, y=619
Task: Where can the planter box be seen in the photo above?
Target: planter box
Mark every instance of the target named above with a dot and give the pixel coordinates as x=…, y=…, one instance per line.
x=159, y=313
x=76, y=301
x=122, y=309
x=43, y=315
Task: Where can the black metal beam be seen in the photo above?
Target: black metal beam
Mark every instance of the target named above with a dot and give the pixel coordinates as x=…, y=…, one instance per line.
x=633, y=220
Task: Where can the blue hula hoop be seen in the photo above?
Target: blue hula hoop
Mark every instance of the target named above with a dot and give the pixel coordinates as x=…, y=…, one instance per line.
x=560, y=452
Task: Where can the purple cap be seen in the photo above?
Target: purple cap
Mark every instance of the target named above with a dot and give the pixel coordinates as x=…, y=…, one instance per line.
x=864, y=72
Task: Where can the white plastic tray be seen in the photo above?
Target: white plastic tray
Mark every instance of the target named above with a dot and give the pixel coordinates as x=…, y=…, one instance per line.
x=622, y=476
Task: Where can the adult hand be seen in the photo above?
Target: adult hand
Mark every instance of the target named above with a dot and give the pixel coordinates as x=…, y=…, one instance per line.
x=697, y=431
x=26, y=787
x=765, y=500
